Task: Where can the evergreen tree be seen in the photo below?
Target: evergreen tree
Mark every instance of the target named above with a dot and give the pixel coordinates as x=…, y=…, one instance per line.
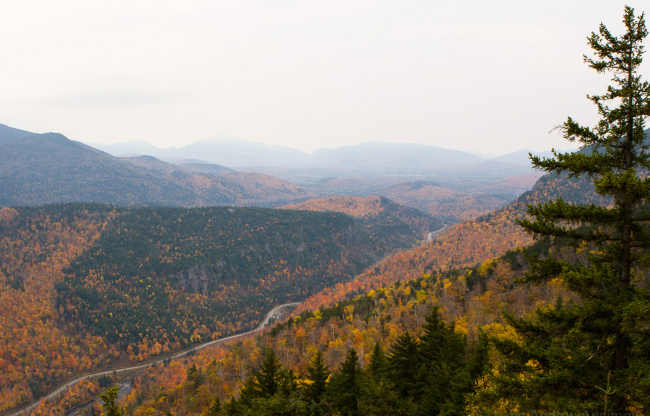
x=248, y=392
x=443, y=379
x=344, y=387
x=109, y=398
x=593, y=356
x=268, y=377
x=378, y=364
x=194, y=378
x=403, y=365
x=378, y=396
x=215, y=408
x=317, y=375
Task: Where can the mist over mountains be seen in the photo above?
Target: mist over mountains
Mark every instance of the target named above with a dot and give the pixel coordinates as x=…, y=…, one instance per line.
x=238, y=153
x=49, y=168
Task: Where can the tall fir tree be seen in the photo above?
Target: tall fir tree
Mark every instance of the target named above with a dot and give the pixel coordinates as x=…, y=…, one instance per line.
x=215, y=408
x=592, y=356
x=317, y=375
x=378, y=395
x=110, y=397
x=268, y=377
x=344, y=388
x=403, y=365
x=443, y=379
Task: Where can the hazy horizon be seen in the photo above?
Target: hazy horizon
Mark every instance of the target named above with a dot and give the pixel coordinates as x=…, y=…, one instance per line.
x=491, y=77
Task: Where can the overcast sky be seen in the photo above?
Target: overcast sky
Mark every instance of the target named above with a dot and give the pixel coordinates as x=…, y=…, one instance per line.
x=490, y=76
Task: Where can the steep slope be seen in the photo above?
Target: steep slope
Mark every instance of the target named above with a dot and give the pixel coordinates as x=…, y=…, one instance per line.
x=462, y=245
x=86, y=286
x=49, y=168
x=36, y=349
x=471, y=299
x=159, y=278
x=378, y=313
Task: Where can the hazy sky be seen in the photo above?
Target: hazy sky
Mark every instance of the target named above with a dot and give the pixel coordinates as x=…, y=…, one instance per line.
x=491, y=76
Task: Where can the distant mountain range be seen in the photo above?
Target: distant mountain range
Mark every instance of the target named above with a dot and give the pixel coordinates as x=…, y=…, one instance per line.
x=46, y=168
x=38, y=169
x=237, y=153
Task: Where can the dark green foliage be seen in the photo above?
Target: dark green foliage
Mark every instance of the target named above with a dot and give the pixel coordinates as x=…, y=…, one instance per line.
x=215, y=408
x=378, y=364
x=443, y=369
x=317, y=374
x=589, y=356
x=149, y=262
x=403, y=364
x=271, y=391
x=378, y=395
x=344, y=388
x=104, y=381
x=109, y=398
x=428, y=375
x=195, y=378
x=268, y=377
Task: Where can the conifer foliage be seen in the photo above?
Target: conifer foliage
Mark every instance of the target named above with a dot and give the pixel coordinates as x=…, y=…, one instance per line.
x=592, y=356
x=427, y=375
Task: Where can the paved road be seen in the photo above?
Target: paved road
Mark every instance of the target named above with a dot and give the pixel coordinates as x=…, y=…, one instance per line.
x=434, y=234
x=58, y=391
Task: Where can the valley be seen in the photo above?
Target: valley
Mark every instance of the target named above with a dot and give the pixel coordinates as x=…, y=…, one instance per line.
x=174, y=295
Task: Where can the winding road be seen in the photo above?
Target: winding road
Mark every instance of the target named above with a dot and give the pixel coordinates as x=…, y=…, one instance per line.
x=181, y=354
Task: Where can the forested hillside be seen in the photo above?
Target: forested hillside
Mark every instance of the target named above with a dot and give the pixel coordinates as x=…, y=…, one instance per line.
x=412, y=357
x=49, y=168
x=462, y=245
x=37, y=349
x=83, y=286
x=160, y=278
x=454, y=272
x=381, y=215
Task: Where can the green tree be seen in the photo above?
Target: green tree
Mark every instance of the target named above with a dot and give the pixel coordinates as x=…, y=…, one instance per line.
x=317, y=375
x=593, y=356
x=215, y=408
x=194, y=378
x=378, y=396
x=268, y=377
x=403, y=365
x=377, y=365
x=344, y=387
x=443, y=379
x=109, y=398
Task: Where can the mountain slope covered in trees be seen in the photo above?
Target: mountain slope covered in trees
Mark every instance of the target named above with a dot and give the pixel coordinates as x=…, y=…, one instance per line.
x=378, y=213
x=84, y=286
x=48, y=168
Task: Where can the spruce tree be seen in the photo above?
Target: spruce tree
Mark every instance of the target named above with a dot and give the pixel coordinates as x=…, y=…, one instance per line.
x=318, y=374
x=268, y=377
x=378, y=395
x=377, y=365
x=344, y=388
x=443, y=379
x=110, y=397
x=593, y=356
x=403, y=365
x=215, y=408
